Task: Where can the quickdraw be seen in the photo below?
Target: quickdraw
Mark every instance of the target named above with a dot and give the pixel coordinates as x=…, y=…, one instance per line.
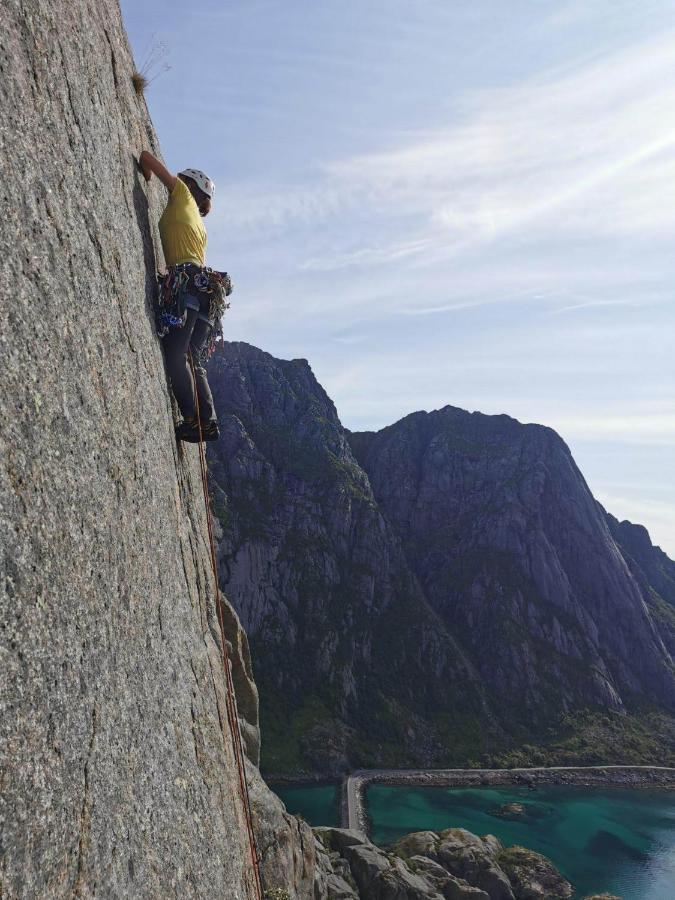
x=171, y=288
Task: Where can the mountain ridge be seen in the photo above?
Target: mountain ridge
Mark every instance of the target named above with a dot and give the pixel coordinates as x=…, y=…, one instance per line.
x=517, y=480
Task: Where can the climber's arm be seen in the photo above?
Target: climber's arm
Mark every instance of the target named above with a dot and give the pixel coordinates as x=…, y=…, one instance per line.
x=150, y=164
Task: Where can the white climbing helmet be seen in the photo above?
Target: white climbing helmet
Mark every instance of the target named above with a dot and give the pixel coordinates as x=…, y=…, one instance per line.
x=204, y=183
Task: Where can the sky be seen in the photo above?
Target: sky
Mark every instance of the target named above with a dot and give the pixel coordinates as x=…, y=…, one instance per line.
x=442, y=202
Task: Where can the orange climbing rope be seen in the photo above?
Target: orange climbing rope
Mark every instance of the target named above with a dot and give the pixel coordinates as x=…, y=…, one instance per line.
x=230, y=697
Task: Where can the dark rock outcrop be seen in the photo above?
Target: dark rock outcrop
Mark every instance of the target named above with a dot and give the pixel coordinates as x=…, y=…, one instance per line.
x=424, y=594
x=516, y=556
x=354, y=666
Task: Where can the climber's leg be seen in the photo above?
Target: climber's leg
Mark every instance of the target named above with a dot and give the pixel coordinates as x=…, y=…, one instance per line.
x=200, y=336
x=182, y=348
x=176, y=347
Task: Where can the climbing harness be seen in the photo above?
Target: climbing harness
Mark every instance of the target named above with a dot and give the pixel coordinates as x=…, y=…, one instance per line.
x=253, y=880
x=179, y=286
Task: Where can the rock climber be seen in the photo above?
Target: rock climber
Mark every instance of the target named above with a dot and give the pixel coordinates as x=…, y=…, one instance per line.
x=191, y=295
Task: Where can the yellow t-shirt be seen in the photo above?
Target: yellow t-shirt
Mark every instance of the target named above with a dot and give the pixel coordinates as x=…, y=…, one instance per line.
x=181, y=229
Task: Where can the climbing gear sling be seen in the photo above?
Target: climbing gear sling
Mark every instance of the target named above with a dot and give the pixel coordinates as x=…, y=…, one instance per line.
x=182, y=288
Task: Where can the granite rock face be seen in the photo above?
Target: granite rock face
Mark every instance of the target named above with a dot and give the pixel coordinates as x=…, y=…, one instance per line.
x=287, y=846
x=426, y=594
x=117, y=778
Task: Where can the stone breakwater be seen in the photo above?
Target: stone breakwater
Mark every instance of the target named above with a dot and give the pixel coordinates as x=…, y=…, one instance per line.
x=355, y=816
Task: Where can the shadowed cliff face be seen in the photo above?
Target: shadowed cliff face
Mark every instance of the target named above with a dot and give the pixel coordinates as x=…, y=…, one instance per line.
x=117, y=779
x=515, y=555
x=423, y=594
x=353, y=663
x=654, y=572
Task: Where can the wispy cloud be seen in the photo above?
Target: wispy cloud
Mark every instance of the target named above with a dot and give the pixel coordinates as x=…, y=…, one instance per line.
x=367, y=256
x=594, y=151
x=591, y=152
x=626, y=303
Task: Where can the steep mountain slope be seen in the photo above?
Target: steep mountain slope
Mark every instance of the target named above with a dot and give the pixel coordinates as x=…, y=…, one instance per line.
x=118, y=777
x=516, y=556
x=353, y=663
x=654, y=572
x=460, y=597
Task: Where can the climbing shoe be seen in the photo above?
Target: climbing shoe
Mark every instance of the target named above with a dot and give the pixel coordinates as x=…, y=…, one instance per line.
x=210, y=430
x=189, y=431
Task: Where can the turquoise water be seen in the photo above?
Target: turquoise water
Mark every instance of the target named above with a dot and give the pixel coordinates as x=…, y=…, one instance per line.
x=616, y=840
x=318, y=804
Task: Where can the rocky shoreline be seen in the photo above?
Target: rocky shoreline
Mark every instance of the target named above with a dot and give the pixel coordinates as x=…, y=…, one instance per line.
x=453, y=862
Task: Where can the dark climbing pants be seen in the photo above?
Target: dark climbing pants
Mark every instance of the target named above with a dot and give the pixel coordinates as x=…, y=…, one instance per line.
x=179, y=344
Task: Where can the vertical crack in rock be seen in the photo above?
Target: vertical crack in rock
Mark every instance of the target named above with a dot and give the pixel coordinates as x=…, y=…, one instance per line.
x=113, y=61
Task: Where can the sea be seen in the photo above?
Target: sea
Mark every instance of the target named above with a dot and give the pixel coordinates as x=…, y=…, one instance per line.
x=615, y=840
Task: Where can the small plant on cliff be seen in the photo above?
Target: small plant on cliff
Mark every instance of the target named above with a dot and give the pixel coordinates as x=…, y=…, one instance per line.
x=139, y=81
x=277, y=894
x=152, y=67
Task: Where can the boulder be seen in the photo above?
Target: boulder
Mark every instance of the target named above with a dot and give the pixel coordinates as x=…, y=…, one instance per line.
x=603, y=897
x=336, y=888
x=338, y=839
x=366, y=862
x=417, y=843
x=453, y=865
x=451, y=887
x=399, y=883
x=470, y=857
x=533, y=876
x=376, y=874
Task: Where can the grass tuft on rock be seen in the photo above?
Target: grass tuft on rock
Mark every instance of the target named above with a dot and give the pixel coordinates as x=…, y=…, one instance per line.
x=140, y=82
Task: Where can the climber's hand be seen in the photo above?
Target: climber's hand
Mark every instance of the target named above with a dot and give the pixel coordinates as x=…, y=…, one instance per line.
x=149, y=164
x=144, y=172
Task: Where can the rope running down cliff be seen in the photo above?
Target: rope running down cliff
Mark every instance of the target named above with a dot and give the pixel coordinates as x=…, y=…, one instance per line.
x=230, y=697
